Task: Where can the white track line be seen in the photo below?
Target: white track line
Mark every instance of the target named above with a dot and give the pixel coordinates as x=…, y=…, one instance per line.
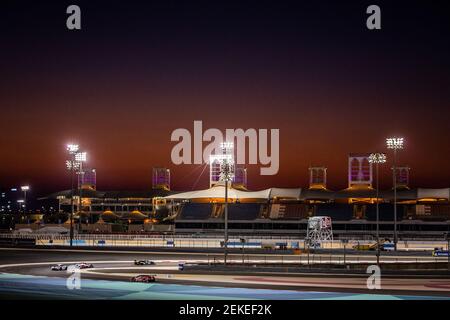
x=291, y=256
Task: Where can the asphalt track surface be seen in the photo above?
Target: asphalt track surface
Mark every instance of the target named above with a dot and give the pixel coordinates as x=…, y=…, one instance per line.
x=26, y=274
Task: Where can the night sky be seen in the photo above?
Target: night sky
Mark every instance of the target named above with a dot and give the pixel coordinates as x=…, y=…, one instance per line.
x=140, y=69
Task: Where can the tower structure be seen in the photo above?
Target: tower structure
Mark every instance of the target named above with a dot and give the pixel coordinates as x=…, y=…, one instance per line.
x=216, y=161
x=240, y=176
x=87, y=179
x=161, y=178
x=402, y=177
x=317, y=177
x=360, y=173
x=319, y=229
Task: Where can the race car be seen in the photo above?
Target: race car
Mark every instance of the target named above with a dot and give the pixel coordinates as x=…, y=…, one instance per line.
x=84, y=265
x=143, y=278
x=59, y=267
x=143, y=262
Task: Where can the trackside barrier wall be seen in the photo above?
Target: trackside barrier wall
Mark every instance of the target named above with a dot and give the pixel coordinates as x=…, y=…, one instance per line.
x=182, y=241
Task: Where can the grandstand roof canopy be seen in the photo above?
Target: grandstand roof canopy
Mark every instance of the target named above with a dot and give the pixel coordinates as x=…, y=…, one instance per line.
x=443, y=193
x=218, y=191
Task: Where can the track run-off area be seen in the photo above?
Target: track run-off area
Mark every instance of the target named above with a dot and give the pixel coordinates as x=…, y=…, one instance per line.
x=26, y=273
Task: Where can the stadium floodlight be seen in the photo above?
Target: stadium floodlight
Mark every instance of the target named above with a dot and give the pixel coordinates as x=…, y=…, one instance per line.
x=226, y=170
x=25, y=188
x=395, y=143
x=81, y=157
x=227, y=145
x=72, y=165
x=221, y=158
x=72, y=148
x=377, y=159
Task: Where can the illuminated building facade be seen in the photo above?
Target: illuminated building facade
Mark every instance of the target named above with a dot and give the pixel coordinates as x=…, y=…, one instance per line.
x=359, y=171
x=161, y=178
x=88, y=179
x=240, y=177
x=317, y=178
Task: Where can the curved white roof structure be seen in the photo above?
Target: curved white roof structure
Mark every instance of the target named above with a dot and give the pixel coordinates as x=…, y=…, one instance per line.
x=443, y=193
x=218, y=191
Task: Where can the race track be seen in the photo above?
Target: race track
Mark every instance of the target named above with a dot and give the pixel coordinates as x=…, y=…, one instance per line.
x=27, y=274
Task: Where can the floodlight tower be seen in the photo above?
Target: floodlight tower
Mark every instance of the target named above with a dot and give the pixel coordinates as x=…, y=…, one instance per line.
x=80, y=157
x=377, y=158
x=226, y=175
x=72, y=165
x=395, y=144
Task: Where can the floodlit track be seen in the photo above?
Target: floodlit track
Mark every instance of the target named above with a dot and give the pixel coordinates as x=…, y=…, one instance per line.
x=119, y=266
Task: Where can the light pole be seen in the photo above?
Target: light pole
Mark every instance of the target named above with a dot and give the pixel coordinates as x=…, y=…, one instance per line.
x=395, y=144
x=226, y=175
x=21, y=205
x=24, y=189
x=377, y=158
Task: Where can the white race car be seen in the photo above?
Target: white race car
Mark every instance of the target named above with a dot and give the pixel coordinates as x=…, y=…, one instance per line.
x=59, y=267
x=143, y=262
x=84, y=265
x=144, y=278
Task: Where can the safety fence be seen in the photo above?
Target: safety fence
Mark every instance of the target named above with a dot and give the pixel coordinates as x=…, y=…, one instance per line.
x=179, y=241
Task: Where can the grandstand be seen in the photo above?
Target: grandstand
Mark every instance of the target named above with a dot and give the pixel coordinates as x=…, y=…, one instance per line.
x=285, y=211
x=420, y=211
x=424, y=212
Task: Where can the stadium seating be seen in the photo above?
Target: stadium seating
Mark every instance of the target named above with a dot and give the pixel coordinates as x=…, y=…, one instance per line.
x=431, y=212
x=195, y=211
x=288, y=211
x=275, y=211
x=217, y=210
x=386, y=212
x=440, y=211
x=295, y=211
x=244, y=211
x=336, y=211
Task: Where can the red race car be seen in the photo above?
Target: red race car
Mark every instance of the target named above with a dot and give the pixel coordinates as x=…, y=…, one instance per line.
x=143, y=278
